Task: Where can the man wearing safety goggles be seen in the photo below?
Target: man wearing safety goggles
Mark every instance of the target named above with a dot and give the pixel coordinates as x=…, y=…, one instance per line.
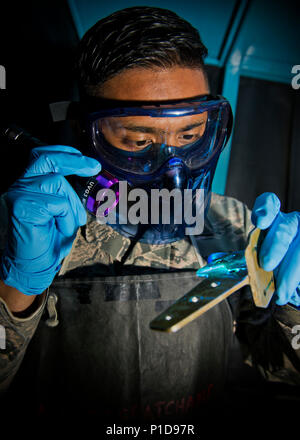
x=147, y=119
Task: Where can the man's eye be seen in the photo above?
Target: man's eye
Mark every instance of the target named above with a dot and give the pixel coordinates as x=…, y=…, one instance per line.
x=188, y=136
x=133, y=144
x=142, y=143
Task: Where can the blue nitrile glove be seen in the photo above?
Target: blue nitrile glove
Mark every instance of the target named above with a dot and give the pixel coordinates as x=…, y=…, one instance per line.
x=45, y=214
x=280, y=249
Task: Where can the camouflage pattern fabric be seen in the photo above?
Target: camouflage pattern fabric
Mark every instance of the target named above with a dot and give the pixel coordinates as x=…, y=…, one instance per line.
x=97, y=245
x=18, y=333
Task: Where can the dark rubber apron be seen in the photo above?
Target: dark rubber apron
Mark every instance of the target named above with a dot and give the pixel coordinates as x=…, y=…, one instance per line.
x=103, y=359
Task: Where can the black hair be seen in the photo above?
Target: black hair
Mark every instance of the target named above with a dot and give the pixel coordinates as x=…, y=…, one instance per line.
x=136, y=37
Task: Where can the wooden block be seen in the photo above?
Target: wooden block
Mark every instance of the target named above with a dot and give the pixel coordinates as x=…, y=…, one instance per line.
x=261, y=282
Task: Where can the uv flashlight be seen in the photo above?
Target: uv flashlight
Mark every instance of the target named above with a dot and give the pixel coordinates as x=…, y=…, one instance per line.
x=87, y=188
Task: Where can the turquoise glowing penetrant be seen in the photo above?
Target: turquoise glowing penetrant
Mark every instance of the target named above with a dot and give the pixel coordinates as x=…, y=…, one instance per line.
x=231, y=265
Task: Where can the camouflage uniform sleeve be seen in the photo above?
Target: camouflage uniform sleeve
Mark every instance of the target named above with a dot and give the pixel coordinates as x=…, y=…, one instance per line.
x=15, y=335
x=289, y=320
x=15, y=332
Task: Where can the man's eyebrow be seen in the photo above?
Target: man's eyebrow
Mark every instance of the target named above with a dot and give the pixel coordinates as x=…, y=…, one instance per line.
x=140, y=128
x=191, y=126
x=153, y=130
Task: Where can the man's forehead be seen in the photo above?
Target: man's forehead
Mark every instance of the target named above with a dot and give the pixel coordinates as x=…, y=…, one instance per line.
x=149, y=124
x=140, y=84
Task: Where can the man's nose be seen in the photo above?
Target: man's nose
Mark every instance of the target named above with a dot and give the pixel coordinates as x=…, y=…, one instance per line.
x=169, y=139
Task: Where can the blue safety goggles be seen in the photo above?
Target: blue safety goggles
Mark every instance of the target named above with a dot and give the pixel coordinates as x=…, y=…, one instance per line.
x=138, y=139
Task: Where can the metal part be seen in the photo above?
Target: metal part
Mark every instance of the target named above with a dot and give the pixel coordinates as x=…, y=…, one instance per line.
x=222, y=277
x=197, y=301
